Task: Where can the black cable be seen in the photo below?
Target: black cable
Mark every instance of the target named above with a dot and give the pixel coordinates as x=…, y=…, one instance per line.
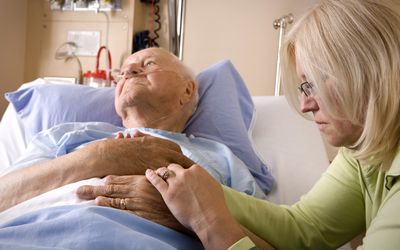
x=158, y=22
x=141, y=41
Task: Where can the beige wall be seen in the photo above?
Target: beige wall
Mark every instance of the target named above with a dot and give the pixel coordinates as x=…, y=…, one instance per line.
x=239, y=30
x=12, y=46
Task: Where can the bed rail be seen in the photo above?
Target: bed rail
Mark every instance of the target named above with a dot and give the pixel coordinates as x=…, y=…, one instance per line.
x=281, y=24
x=176, y=9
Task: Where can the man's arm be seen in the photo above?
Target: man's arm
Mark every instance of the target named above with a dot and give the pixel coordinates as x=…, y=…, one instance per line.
x=118, y=157
x=23, y=184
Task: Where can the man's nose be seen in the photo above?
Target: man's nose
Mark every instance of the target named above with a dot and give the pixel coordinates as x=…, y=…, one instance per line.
x=308, y=104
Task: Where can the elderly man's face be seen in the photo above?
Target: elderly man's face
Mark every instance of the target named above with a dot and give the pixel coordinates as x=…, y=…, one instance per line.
x=152, y=79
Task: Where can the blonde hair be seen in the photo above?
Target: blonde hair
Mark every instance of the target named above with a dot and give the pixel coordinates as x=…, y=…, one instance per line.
x=350, y=50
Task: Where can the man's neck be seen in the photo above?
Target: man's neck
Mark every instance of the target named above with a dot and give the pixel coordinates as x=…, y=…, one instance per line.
x=165, y=122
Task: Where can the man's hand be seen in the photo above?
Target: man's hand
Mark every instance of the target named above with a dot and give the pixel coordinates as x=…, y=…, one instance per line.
x=132, y=155
x=138, y=195
x=99, y=159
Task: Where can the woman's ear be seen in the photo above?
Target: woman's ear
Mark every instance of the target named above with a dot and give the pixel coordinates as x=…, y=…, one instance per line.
x=189, y=91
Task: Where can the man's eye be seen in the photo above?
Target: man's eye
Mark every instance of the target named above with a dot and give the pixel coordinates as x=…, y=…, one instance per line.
x=149, y=63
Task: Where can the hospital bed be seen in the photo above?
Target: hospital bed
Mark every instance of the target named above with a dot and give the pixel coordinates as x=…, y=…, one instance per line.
x=290, y=146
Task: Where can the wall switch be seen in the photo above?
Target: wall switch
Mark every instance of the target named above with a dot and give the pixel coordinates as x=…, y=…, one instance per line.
x=88, y=42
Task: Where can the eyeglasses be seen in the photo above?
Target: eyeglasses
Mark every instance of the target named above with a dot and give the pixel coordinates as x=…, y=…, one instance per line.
x=306, y=88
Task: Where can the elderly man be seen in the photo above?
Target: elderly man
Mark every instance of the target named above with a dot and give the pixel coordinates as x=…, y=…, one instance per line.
x=155, y=91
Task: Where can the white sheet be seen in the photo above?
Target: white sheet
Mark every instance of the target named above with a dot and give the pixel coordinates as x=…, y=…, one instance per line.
x=12, y=139
x=57, y=197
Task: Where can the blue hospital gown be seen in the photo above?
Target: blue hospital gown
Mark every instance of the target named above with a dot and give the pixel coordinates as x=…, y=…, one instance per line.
x=215, y=157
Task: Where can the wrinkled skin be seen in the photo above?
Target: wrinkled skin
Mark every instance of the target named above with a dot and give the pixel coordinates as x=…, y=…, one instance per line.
x=141, y=198
x=135, y=155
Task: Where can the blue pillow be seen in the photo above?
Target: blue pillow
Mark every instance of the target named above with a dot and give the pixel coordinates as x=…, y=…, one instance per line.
x=224, y=113
x=43, y=106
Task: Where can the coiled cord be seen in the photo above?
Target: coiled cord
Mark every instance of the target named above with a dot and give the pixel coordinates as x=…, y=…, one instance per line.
x=155, y=20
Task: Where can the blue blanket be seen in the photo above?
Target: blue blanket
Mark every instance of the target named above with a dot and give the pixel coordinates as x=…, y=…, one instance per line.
x=89, y=227
x=83, y=227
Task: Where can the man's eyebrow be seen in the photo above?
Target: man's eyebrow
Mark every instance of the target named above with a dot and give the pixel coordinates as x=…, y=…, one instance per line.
x=150, y=57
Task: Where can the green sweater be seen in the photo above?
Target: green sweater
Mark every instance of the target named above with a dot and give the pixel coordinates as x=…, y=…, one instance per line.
x=347, y=200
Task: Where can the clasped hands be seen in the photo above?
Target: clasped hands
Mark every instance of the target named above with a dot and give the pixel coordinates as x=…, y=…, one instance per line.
x=124, y=161
x=194, y=207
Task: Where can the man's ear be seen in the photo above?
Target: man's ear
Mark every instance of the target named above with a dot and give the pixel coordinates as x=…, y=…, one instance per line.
x=189, y=92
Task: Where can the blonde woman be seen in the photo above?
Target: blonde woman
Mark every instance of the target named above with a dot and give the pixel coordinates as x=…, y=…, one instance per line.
x=344, y=57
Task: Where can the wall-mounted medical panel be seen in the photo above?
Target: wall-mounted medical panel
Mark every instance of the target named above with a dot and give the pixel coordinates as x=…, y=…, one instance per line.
x=47, y=30
x=86, y=5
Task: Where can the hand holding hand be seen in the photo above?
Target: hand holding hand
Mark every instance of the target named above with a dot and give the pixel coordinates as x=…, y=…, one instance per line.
x=134, y=194
x=197, y=201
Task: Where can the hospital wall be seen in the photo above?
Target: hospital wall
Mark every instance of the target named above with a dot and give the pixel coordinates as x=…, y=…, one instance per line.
x=12, y=46
x=241, y=31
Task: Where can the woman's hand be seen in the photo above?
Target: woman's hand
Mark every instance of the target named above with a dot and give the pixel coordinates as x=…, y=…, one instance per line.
x=134, y=194
x=197, y=201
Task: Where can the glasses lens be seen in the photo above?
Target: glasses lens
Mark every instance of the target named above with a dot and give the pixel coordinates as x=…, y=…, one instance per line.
x=306, y=88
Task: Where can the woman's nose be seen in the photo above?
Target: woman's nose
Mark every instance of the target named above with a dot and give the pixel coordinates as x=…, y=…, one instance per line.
x=308, y=104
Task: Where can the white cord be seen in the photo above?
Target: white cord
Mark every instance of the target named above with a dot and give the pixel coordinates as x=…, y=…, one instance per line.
x=106, y=44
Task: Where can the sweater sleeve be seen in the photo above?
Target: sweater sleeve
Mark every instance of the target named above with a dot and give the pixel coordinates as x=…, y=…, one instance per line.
x=243, y=244
x=331, y=214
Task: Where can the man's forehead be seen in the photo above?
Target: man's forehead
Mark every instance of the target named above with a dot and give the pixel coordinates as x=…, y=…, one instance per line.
x=154, y=53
